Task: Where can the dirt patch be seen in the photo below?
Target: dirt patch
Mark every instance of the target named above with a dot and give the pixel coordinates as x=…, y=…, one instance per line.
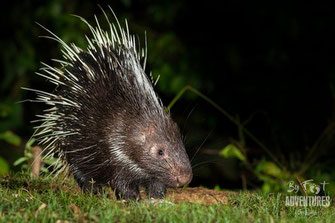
x=198, y=195
x=195, y=195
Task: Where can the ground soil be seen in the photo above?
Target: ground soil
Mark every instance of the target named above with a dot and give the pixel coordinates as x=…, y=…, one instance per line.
x=176, y=195
x=197, y=195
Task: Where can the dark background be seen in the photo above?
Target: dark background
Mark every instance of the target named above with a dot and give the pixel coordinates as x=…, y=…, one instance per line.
x=271, y=66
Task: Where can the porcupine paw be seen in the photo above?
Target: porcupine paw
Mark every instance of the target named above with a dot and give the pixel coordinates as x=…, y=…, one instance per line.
x=130, y=193
x=155, y=189
x=88, y=187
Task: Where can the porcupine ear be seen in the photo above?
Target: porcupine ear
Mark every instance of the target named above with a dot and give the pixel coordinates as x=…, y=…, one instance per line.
x=142, y=136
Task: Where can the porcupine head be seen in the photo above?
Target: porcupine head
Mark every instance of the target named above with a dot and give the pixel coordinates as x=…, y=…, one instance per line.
x=105, y=122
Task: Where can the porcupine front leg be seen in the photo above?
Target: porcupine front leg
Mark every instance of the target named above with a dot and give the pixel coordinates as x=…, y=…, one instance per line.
x=155, y=189
x=87, y=186
x=125, y=192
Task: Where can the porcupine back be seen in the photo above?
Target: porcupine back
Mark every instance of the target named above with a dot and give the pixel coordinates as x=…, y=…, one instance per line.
x=105, y=122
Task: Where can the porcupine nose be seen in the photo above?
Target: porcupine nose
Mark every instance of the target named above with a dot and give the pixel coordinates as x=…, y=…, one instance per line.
x=184, y=178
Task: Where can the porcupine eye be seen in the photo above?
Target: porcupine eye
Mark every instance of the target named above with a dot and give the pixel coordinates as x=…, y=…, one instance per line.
x=160, y=152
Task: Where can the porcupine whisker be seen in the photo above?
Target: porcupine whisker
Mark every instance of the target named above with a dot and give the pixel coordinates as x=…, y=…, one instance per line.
x=201, y=145
x=212, y=161
x=188, y=116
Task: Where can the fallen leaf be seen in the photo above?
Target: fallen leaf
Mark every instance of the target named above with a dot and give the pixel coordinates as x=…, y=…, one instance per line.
x=76, y=210
x=42, y=206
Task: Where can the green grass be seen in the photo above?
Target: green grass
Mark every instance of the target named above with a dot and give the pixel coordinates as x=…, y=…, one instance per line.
x=21, y=198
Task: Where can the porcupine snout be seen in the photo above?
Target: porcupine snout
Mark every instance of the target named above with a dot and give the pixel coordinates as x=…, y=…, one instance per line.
x=184, y=178
x=182, y=172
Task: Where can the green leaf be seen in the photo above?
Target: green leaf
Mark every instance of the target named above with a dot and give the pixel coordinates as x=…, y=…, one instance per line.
x=10, y=114
x=30, y=143
x=4, y=167
x=19, y=161
x=266, y=187
x=44, y=170
x=231, y=151
x=50, y=161
x=10, y=138
x=269, y=168
x=218, y=188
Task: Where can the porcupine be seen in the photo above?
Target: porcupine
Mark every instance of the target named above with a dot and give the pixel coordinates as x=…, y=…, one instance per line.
x=105, y=123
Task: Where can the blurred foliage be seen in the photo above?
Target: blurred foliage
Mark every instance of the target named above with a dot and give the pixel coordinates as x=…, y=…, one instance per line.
x=10, y=137
x=4, y=167
x=10, y=114
x=231, y=151
x=272, y=67
x=27, y=159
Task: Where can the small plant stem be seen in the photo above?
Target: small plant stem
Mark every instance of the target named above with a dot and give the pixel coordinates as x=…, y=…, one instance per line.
x=244, y=181
x=230, y=117
x=319, y=147
x=302, y=186
x=37, y=163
